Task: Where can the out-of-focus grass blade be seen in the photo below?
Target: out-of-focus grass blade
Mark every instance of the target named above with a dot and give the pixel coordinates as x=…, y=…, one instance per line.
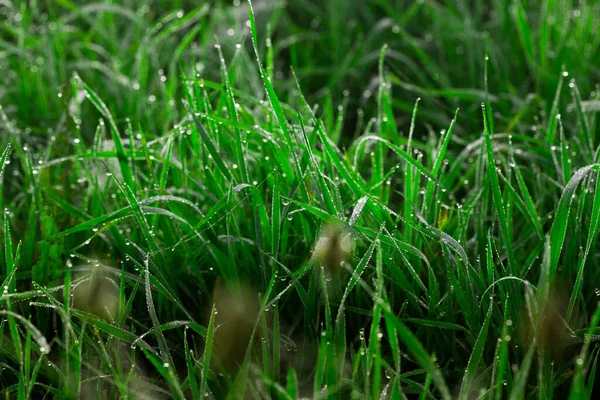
x=525, y=35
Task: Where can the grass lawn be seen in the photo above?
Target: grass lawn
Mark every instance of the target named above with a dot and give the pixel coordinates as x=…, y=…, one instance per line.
x=335, y=199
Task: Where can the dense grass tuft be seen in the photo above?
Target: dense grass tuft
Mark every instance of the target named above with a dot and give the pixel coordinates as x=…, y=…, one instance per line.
x=374, y=199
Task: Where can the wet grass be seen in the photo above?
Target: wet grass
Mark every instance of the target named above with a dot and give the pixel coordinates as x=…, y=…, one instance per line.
x=280, y=200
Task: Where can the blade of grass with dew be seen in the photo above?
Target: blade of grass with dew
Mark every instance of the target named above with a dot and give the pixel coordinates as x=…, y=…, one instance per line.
x=497, y=194
x=116, y=136
x=207, y=352
x=273, y=99
x=551, y=127
x=325, y=192
x=191, y=367
x=210, y=146
x=330, y=373
x=360, y=268
x=578, y=383
x=419, y=352
x=592, y=237
x=408, y=179
x=233, y=116
x=429, y=196
x=3, y=158
x=378, y=161
x=168, y=366
x=564, y=154
x=561, y=219
x=375, y=336
x=476, y=356
x=586, y=131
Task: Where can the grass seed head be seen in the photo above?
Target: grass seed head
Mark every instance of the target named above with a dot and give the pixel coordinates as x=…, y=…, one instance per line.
x=97, y=294
x=236, y=313
x=333, y=248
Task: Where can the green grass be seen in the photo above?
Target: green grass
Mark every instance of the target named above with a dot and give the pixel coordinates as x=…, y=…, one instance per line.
x=383, y=199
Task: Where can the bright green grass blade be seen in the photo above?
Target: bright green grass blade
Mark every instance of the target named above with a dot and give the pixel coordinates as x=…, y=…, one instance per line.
x=378, y=160
x=501, y=359
x=592, y=237
x=191, y=368
x=375, y=336
x=497, y=194
x=275, y=217
x=3, y=158
x=551, y=127
x=351, y=177
x=166, y=370
x=272, y=96
x=418, y=351
x=325, y=192
x=408, y=179
x=403, y=154
x=168, y=367
x=564, y=154
x=583, y=121
x=207, y=352
x=578, y=383
x=360, y=268
x=276, y=365
x=528, y=201
x=441, y=155
x=210, y=146
x=561, y=218
x=476, y=357
x=103, y=109
x=436, y=324
x=292, y=385
x=233, y=116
